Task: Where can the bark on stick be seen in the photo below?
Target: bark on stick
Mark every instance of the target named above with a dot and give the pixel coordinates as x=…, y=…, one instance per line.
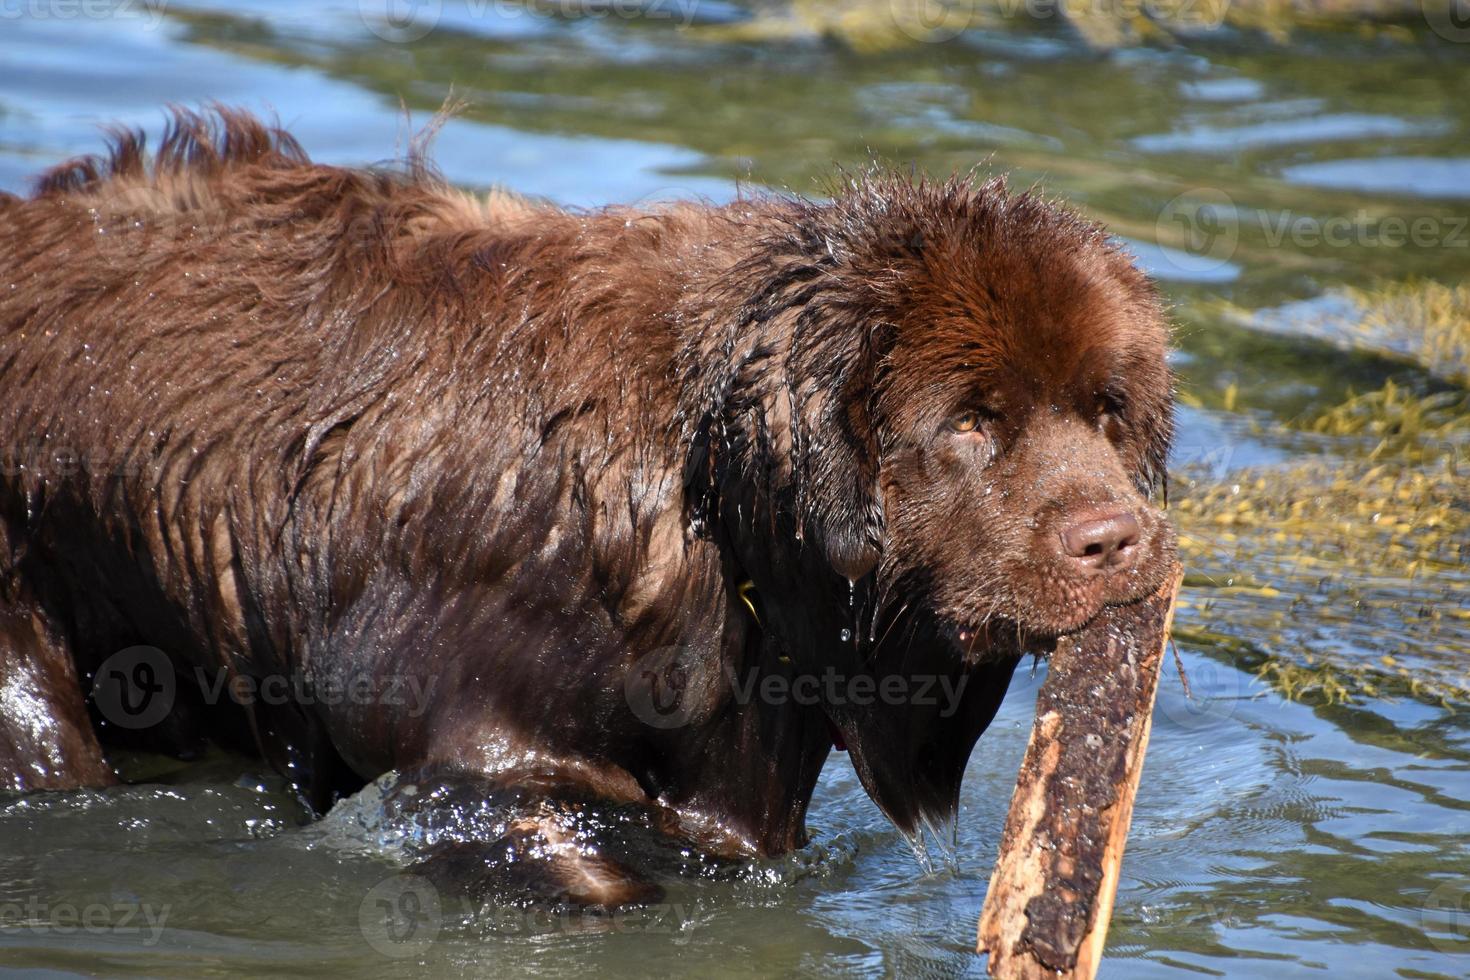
x=1051, y=894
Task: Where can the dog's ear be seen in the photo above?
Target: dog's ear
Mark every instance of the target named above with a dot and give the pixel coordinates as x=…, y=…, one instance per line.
x=1150, y=417
x=1155, y=471
x=836, y=454
x=821, y=413
x=787, y=405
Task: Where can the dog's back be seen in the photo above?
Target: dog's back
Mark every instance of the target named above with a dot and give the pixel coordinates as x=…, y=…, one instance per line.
x=165, y=353
x=248, y=397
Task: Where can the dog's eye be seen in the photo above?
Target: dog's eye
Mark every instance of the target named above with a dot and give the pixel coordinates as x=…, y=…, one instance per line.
x=965, y=422
x=1110, y=417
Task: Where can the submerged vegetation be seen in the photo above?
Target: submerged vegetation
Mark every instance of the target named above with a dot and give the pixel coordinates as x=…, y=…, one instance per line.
x=1371, y=556
x=1349, y=572
x=1402, y=426
x=1428, y=321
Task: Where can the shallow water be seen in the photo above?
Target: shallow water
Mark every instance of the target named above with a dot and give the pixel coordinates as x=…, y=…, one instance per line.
x=1272, y=837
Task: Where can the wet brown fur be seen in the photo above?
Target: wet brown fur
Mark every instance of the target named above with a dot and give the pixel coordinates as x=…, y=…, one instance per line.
x=289, y=419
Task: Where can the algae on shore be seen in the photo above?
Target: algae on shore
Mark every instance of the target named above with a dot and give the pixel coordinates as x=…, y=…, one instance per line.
x=1333, y=580
x=1349, y=574
x=1430, y=320
x=873, y=25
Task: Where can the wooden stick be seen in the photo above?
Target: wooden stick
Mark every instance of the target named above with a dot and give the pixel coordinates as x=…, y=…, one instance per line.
x=1051, y=894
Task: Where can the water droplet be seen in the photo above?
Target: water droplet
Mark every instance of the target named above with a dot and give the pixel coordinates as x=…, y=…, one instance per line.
x=846, y=635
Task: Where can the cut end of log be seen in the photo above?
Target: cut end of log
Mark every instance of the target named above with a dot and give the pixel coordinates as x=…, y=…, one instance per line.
x=1051, y=895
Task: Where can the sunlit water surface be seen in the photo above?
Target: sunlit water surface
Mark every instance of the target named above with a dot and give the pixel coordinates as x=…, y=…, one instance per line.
x=1271, y=838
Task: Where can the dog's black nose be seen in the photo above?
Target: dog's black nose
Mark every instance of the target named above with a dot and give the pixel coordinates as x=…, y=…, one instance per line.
x=1102, y=543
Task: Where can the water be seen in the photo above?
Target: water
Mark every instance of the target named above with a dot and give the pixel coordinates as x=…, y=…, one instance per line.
x=1271, y=837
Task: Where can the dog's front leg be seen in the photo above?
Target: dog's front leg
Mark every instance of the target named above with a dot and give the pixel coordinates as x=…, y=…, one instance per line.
x=552, y=842
x=46, y=736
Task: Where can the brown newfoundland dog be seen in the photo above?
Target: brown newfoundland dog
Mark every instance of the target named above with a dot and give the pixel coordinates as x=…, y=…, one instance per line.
x=646, y=509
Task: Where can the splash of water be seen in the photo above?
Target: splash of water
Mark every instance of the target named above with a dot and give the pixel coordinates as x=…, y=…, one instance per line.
x=919, y=845
x=936, y=845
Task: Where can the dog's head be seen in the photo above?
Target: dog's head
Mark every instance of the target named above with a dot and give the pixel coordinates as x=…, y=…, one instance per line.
x=1003, y=414
x=958, y=401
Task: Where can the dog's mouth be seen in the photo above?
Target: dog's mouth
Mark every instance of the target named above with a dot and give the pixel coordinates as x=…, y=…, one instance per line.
x=981, y=636
x=910, y=750
x=1015, y=626
x=1042, y=613
x=979, y=640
